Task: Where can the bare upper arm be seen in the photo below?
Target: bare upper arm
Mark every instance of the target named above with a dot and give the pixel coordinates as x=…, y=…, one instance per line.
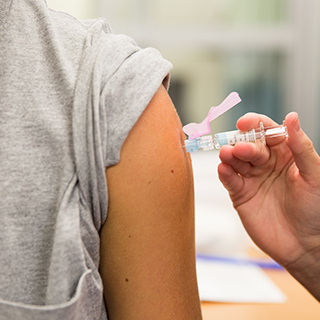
x=147, y=242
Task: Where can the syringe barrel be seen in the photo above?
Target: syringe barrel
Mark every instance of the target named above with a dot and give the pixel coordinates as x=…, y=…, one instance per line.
x=233, y=137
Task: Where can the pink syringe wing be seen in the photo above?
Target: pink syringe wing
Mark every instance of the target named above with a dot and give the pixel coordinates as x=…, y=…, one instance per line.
x=195, y=130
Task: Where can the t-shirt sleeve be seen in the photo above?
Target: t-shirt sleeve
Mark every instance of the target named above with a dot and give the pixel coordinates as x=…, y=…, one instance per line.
x=130, y=82
x=115, y=83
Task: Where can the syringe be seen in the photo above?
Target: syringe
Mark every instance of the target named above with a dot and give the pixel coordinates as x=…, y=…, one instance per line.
x=232, y=137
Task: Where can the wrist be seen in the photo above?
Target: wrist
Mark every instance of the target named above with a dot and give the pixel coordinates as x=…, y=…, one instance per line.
x=306, y=270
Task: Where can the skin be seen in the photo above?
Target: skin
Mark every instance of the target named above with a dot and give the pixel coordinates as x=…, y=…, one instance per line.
x=276, y=192
x=147, y=242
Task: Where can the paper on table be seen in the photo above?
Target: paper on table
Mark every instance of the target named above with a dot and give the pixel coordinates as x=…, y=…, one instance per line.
x=242, y=283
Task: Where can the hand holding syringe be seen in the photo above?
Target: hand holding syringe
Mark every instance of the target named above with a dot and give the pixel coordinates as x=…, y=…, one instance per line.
x=285, y=178
x=232, y=137
x=276, y=192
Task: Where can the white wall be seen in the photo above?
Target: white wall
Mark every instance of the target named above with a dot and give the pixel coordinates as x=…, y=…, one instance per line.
x=81, y=9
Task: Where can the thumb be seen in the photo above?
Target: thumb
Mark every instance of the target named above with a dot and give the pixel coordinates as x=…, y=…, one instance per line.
x=304, y=154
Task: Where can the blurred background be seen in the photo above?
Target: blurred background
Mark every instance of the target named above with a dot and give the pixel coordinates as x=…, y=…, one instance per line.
x=267, y=51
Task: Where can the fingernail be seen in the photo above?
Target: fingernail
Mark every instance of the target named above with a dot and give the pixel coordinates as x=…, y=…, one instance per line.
x=297, y=123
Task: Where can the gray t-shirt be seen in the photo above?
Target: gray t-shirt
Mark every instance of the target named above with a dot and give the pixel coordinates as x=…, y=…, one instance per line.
x=70, y=92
